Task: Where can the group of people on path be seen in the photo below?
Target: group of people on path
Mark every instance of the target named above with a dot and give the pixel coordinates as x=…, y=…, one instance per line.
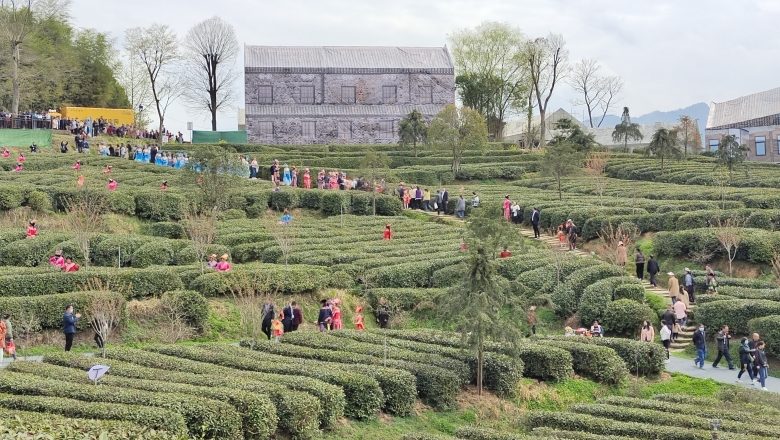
x=752, y=354
x=276, y=323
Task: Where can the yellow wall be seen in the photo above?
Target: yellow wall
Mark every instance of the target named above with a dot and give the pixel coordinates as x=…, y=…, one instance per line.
x=120, y=116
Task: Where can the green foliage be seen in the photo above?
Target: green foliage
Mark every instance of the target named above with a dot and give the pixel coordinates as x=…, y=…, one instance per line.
x=561, y=159
x=664, y=145
x=625, y=316
x=458, y=130
x=191, y=306
x=626, y=130
x=45, y=311
x=736, y=313
x=167, y=230
x=634, y=292
x=730, y=152
x=262, y=278
x=769, y=329
x=601, y=364
x=413, y=130
x=570, y=132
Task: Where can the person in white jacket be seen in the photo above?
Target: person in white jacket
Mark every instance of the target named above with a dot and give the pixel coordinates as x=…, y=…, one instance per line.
x=666, y=338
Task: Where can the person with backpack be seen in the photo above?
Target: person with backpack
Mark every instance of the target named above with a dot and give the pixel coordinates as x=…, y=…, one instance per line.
x=746, y=361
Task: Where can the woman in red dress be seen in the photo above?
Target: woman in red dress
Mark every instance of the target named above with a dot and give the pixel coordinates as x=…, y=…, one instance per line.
x=307, y=179
x=388, y=234
x=507, y=207
x=32, y=230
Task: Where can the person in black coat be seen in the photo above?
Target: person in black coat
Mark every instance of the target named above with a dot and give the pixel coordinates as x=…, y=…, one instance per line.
x=445, y=198
x=267, y=318
x=653, y=269
x=288, y=315
x=535, y=217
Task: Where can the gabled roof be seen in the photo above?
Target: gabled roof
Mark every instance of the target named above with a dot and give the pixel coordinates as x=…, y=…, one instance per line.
x=261, y=58
x=745, y=108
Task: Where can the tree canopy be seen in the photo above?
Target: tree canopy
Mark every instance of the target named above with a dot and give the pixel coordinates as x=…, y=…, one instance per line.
x=413, y=130
x=569, y=131
x=458, y=129
x=664, y=144
x=626, y=130
x=61, y=65
x=731, y=153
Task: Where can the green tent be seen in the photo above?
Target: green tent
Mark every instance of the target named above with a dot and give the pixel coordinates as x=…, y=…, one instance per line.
x=10, y=137
x=213, y=137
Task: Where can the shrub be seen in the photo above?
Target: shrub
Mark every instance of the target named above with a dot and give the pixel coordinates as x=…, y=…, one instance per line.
x=335, y=203
x=46, y=310
x=38, y=201
x=31, y=252
x=11, y=197
x=167, y=230
x=205, y=417
x=311, y=199
x=448, y=276
x=231, y=214
x=601, y=364
x=634, y=292
x=108, y=250
x=735, y=313
x=399, y=300
x=640, y=357
x=121, y=203
x=566, y=296
x=22, y=423
x=158, y=252
x=363, y=395
x=769, y=329
x=257, y=411
x=281, y=200
x=475, y=433
x=388, y=205
x=624, y=317
x=262, y=278
x=160, y=206
x=190, y=305
x=287, y=391
x=151, y=417
x=598, y=295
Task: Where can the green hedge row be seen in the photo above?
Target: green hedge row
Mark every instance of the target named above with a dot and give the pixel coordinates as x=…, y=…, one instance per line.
x=258, y=414
x=640, y=357
x=399, y=300
x=136, y=283
x=566, y=296
x=46, y=310
x=27, y=425
x=501, y=372
x=596, y=297
x=155, y=418
x=624, y=317
x=684, y=409
x=262, y=278
x=205, y=417
x=331, y=397
x=601, y=364
x=736, y=313
x=362, y=392
x=757, y=246
x=539, y=362
x=669, y=419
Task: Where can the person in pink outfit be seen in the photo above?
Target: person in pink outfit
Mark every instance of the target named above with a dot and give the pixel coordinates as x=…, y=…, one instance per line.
x=56, y=260
x=224, y=265
x=336, y=323
x=333, y=181
x=6, y=153
x=111, y=185
x=507, y=207
x=77, y=166
x=307, y=179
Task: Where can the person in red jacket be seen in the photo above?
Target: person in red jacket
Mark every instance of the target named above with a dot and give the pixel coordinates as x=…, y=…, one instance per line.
x=32, y=230
x=70, y=266
x=505, y=253
x=388, y=234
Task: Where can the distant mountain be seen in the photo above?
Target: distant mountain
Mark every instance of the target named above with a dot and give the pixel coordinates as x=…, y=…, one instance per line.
x=696, y=111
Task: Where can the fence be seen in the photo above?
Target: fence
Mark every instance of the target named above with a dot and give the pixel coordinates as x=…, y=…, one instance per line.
x=24, y=122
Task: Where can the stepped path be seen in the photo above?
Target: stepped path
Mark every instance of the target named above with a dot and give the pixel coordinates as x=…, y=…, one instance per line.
x=683, y=340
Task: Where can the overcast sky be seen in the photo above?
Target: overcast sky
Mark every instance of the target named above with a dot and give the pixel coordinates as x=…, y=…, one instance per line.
x=670, y=53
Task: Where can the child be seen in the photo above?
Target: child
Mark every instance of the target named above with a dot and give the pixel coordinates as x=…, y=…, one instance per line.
x=108, y=169
x=6, y=153
x=388, y=234
x=212, y=263
x=676, y=329
x=19, y=167
x=32, y=230
x=21, y=158
x=407, y=199
x=111, y=185
x=561, y=237
x=56, y=260
x=70, y=266
x=358, y=319
x=277, y=328
x=164, y=186
x=336, y=323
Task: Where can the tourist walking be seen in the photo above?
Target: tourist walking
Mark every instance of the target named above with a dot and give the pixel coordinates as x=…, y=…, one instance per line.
x=723, y=338
x=10, y=347
x=297, y=316
x=700, y=342
x=571, y=234
x=689, y=285
x=666, y=338
x=426, y=200
x=3, y=333
x=69, y=321
x=622, y=254
x=532, y=320
x=762, y=363
x=515, y=212
x=712, y=283
x=535, y=218
x=680, y=312
x=652, y=270
x=755, y=338
x=668, y=317
x=445, y=198
x=288, y=315
x=746, y=361
x=639, y=259
x=383, y=314
x=268, y=318
x=474, y=200
x=325, y=316
x=674, y=286
x=647, y=332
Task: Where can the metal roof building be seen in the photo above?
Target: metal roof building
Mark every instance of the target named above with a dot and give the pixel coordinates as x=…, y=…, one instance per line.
x=342, y=94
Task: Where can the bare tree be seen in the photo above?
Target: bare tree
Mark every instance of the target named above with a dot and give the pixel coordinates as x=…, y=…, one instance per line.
x=201, y=228
x=547, y=61
x=597, y=91
x=285, y=235
x=106, y=310
x=157, y=49
x=26, y=324
x=595, y=164
x=728, y=232
x=132, y=75
x=211, y=49
x=85, y=219
x=610, y=235
x=251, y=306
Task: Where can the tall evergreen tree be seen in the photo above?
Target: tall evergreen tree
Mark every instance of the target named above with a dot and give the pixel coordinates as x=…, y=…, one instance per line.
x=626, y=130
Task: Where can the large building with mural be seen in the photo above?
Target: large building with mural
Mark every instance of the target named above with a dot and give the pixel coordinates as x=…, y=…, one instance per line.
x=346, y=95
x=754, y=120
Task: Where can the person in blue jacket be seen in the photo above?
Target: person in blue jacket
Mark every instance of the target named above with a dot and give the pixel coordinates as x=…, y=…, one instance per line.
x=69, y=321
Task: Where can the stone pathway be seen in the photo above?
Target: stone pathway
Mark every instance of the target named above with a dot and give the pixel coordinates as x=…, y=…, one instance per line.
x=721, y=374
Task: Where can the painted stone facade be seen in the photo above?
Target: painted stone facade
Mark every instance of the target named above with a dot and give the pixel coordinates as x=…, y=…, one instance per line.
x=360, y=105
